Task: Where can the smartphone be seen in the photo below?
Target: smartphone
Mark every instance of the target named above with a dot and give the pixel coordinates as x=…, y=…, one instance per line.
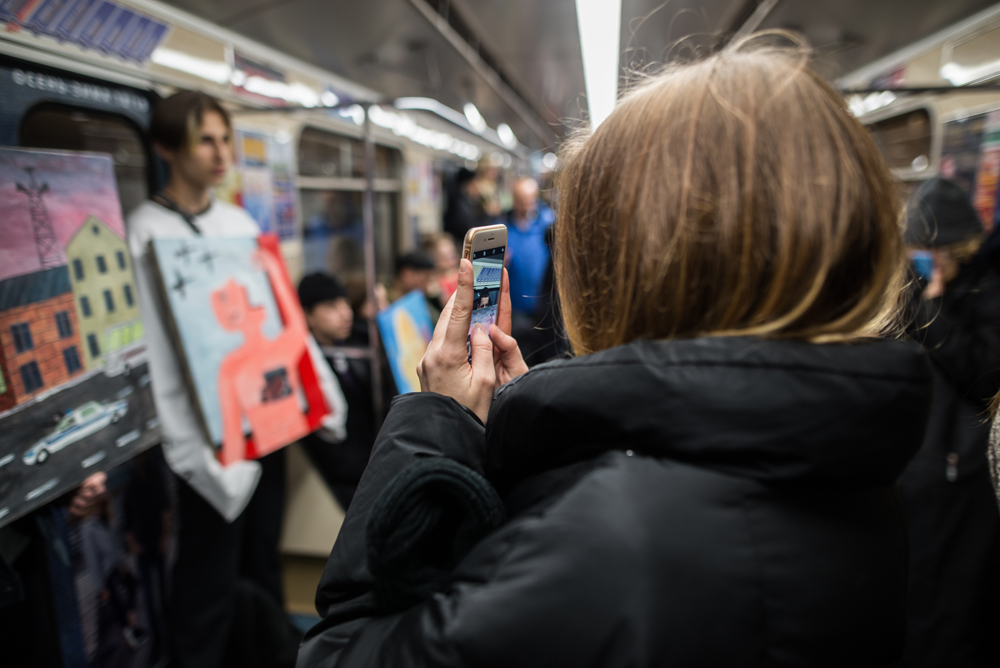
x=485, y=247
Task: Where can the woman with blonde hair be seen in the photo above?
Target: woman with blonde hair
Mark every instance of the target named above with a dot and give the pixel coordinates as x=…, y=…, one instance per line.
x=711, y=480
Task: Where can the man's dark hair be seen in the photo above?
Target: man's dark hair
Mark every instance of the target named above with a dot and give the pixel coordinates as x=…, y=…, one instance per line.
x=414, y=260
x=177, y=119
x=319, y=287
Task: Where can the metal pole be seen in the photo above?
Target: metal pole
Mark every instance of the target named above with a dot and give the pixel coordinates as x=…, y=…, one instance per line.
x=368, y=213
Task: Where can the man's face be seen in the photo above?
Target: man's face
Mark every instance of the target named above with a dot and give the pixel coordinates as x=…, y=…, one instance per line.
x=415, y=279
x=330, y=321
x=205, y=165
x=446, y=257
x=525, y=197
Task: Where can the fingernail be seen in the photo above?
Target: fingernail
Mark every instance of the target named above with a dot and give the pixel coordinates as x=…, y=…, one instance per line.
x=478, y=327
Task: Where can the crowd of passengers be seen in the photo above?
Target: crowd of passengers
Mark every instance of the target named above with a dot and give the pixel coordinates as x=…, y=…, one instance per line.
x=760, y=437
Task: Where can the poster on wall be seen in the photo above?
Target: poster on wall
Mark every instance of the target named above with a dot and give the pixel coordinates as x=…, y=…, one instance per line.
x=243, y=337
x=75, y=391
x=984, y=197
x=266, y=188
x=406, y=330
x=960, y=146
x=98, y=25
x=970, y=156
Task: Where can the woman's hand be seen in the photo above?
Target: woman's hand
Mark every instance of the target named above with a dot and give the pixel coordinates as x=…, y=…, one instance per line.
x=445, y=368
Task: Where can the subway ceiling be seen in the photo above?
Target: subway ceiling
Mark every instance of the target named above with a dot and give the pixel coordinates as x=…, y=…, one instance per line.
x=519, y=61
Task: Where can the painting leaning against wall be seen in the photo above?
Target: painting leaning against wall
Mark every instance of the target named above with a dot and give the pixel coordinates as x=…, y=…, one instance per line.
x=74, y=383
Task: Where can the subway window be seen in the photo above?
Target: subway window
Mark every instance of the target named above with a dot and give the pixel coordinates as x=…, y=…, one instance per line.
x=71, y=129
x=324, y=153
x=904, y=140
x=332, y=196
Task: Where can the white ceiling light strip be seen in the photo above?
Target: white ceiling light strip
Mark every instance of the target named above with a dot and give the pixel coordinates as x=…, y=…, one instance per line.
x=599, y=22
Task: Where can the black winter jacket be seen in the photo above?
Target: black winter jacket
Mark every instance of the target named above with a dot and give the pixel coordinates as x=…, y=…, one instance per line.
x=708, y=502
x=954, y=525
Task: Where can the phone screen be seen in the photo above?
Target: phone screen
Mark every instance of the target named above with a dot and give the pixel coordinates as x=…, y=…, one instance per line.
x=487, y=272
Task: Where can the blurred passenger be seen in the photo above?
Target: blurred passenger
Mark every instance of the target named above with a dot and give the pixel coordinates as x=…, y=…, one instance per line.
x=147, y=533
x=954, y=607
x=545, y=337
x=712, y=481
x=527, y=253
x=331, y=320
x=488, y=189
x=415, y=271
x=230, y=517
x=446, y=255
x=464, y=209
x=357, y=295
x=30, y=627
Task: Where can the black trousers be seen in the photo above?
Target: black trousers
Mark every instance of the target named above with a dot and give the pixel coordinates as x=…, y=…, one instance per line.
x=954, y=593
x=217, y=561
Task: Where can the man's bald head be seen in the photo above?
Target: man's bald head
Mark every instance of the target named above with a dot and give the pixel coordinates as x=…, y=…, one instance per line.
x=525, y=193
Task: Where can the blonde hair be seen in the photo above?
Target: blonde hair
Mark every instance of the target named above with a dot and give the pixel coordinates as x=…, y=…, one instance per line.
x=731, y=196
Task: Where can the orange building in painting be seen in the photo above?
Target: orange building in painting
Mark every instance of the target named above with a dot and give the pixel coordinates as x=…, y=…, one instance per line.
x=39, y=335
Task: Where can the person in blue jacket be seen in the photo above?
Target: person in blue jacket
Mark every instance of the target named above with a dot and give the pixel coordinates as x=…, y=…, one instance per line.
x=527, y=253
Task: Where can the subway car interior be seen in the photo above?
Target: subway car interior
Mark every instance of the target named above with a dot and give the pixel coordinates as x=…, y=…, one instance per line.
x=357, y=333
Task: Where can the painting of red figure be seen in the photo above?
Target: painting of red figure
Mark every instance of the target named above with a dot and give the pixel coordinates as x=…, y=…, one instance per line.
x=244, y=338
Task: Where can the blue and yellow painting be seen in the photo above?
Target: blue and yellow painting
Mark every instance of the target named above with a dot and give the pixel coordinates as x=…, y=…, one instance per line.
x=406, y=330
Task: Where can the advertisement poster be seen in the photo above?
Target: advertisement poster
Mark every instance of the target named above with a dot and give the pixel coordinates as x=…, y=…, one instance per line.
x=960, y=146
x=98, y=25
x=988, y=174
x=406, y=330
x=75, y=391
x=266, y=166
x=243, y=338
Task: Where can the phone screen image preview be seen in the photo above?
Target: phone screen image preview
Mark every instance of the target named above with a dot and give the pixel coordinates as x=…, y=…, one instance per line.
x=487, y=272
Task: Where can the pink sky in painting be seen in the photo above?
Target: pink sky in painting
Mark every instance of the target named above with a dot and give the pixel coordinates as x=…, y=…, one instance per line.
x=80, y=185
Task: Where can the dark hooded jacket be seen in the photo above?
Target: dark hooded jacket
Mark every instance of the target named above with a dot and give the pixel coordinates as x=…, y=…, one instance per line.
x=707, y=502
x=947, y=497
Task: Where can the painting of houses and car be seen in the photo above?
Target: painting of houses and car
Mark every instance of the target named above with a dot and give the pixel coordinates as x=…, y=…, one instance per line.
x=74, y=383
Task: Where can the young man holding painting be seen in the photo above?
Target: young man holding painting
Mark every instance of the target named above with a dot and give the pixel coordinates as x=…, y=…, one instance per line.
x=229, y=517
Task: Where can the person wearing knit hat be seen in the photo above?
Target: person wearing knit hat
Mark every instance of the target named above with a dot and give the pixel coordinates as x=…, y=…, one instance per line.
x=328, y=312
x=954, y=522
x=940, y=214
x=330, y=318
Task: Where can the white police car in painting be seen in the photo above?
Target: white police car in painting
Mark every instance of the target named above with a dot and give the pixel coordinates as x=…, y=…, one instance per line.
x=79, y=423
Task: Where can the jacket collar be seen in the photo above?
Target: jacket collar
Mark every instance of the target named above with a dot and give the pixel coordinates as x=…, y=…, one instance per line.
x=772, y=410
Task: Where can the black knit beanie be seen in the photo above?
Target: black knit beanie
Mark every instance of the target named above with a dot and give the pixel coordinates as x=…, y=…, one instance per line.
x=940, y=214
x=319, y=287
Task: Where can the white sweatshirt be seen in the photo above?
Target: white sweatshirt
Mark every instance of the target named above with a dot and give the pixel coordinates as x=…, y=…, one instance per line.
x=185, y=445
